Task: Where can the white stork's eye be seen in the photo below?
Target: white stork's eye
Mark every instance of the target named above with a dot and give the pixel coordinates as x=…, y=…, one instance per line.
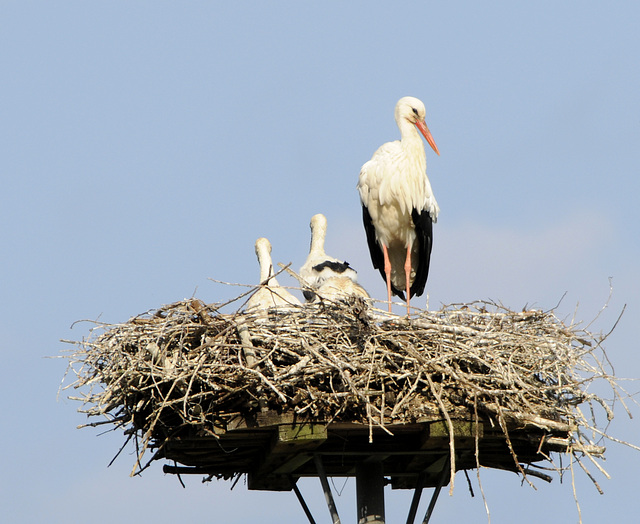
x=415, y=111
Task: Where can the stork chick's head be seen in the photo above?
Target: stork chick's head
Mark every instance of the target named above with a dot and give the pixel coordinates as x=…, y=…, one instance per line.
x=263, y=246
x=318, y=222
x=412, y=110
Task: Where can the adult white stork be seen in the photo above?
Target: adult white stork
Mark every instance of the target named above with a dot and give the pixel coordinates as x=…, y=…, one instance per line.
x=398, y=206
x=319, y=266
x=270, y=294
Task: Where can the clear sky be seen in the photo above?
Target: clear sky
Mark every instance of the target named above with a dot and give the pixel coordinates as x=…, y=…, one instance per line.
x=146, y=145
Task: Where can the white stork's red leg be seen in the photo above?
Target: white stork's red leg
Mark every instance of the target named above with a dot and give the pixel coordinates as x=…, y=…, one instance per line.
x=407, y=272
x=387, y=272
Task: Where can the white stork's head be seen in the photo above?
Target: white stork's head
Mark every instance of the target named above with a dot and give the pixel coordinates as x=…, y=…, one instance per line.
x=412, y=110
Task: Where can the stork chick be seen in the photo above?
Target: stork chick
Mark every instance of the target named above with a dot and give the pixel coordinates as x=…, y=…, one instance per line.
x=270, y=294
x=320, y=267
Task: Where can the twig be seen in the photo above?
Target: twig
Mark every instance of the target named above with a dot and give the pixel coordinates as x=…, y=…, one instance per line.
x=452, y=449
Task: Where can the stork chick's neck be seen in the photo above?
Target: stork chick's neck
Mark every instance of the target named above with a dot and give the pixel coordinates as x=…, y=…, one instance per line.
x=317, y=240
x=266, y=267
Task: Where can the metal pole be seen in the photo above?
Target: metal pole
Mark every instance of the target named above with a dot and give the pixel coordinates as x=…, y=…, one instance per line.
x=370, y=492
x=443, y=477
x=303, y=503
x=327, y=490
x=413, y=509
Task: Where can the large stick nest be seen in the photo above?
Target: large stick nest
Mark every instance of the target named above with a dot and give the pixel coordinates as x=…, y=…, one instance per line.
x=188, y=370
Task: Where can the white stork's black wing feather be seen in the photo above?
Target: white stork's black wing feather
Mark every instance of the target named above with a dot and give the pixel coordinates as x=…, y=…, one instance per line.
x=424, y=236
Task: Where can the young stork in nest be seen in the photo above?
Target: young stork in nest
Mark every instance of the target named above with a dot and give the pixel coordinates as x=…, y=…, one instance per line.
x=398, y=205
x=340, y=288
x=270, y=294
x=327, y=276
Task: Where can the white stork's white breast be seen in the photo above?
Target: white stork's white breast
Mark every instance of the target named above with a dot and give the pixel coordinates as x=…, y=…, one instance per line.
x=392, y=184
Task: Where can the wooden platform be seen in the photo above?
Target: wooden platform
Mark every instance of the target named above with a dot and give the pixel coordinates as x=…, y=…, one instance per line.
x=277, y=451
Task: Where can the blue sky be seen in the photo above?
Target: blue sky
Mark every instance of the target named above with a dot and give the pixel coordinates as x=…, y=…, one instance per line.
x=146, y=145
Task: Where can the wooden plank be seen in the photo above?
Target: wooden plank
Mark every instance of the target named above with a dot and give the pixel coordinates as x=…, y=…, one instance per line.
x=273, y=418
x=292, y=464
x=461, y=429
x=271, y=453
x=435, y=437
x=300, y=435
x=289, y=450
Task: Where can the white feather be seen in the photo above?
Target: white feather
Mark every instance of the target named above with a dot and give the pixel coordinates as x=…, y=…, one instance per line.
x=270, y=294
x=339, y=288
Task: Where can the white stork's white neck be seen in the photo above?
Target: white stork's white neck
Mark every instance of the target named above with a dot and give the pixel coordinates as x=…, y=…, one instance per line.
x=408, y=132
x=411, y=142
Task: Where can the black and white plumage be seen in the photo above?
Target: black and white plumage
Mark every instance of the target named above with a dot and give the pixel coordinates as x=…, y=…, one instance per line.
x=270, y=294
x=398, y=205
x=320, y=269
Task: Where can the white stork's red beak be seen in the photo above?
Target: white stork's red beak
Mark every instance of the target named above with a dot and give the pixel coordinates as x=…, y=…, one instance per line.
x=427, y=134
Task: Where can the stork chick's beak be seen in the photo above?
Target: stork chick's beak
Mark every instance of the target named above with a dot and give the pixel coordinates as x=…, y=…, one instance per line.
x=427, y=134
